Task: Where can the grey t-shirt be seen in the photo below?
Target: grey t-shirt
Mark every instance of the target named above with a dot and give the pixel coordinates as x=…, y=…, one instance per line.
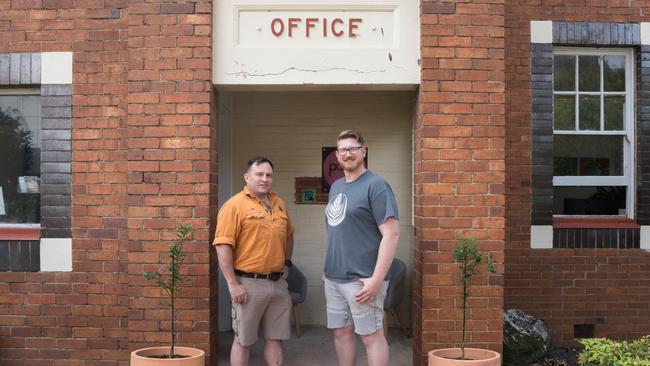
x=353, y=215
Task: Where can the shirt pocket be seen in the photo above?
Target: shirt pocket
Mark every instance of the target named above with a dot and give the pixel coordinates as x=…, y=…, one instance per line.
x=281, y=224
x=254, y=221
x=281, y=218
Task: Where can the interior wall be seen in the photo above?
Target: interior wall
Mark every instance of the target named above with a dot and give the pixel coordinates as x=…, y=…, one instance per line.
x=225, y=191
x=291, y=127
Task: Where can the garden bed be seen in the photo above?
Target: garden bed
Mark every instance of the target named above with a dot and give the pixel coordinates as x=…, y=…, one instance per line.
x=558, y=356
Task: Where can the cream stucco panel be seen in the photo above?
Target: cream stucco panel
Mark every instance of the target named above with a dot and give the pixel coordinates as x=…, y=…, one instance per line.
x=317, y=43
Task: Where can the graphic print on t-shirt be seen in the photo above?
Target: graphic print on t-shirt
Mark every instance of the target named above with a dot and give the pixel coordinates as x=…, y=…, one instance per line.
x=336, y=208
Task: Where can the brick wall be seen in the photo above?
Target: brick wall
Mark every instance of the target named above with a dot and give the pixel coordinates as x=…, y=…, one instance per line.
x=459, y=170
x=143, y=160
x=169, y=162
x=604, y=287
x=67, y=318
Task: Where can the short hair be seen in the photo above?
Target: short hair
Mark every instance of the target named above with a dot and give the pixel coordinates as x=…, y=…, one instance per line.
x=350, y=134
x=257, y=160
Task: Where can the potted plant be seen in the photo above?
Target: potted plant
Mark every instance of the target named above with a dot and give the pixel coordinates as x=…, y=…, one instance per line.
x=170, y=283
x=466, y=254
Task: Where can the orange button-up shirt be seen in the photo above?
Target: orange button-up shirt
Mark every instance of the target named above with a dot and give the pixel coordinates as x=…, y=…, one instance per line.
x=258, y=237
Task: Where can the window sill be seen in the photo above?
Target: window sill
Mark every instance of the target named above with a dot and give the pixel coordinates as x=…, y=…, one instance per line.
x=20, y=232
x=594, y=223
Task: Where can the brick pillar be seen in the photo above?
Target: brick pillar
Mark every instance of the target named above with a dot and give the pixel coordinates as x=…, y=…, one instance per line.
x=171, y=164
x=459, y=171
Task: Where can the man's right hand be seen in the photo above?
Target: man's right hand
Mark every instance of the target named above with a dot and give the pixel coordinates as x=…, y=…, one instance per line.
x=238, y=293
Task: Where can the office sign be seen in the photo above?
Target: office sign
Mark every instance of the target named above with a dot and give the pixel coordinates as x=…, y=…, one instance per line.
x=307, y=42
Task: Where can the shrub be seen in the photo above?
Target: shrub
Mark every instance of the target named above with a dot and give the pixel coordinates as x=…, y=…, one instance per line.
x=606, y=352
x=468, y=257
x=171, y=278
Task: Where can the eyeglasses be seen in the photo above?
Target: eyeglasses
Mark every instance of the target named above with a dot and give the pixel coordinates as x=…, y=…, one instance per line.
x=352, y=150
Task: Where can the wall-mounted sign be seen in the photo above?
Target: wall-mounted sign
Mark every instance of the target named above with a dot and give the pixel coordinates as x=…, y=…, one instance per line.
x=337, y=27
x=290, y=27
x=308, y=195
x=331, y=168
x=334, y=42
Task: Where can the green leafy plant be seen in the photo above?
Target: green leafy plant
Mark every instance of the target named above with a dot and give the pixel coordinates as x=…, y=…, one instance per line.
x=467, y=255
x=606, y=352
x=173, y=278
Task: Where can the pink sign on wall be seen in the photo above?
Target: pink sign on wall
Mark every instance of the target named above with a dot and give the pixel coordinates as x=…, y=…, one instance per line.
x=331, y=169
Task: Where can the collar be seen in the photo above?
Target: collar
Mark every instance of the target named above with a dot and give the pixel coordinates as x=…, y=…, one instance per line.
x=357, y=177
x=248, y=193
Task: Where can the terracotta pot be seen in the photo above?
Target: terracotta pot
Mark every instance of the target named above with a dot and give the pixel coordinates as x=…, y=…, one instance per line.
x=473, y=357
x=139, y=357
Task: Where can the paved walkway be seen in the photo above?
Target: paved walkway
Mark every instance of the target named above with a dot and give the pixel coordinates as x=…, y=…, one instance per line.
x=316, y=348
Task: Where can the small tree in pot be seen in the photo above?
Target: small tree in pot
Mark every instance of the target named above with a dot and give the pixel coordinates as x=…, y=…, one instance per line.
x=170, y=282
x=469, y=260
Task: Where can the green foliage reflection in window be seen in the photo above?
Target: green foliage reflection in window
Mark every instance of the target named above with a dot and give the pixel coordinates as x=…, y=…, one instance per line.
x=20, y=159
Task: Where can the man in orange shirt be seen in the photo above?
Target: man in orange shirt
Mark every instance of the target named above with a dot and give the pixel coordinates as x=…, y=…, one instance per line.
x=254, y=241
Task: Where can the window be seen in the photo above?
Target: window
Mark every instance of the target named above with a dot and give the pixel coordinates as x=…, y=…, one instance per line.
x=20, y=152
x=593, y=132
x=35, y=161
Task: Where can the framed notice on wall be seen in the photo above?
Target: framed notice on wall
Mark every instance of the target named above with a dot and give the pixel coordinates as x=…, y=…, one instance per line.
x=308, y=195
x=331, y=169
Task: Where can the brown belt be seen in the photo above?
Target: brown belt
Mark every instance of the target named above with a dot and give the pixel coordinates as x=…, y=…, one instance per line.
x=272, y=276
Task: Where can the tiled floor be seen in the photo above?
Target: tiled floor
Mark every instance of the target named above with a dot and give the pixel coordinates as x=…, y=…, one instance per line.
x=316, y=348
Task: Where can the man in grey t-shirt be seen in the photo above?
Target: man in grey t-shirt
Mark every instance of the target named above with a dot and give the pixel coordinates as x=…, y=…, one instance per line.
x=362, y=235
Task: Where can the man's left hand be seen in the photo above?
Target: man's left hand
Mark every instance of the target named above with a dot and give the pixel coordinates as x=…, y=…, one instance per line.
x=285, y=272
x=369, y=291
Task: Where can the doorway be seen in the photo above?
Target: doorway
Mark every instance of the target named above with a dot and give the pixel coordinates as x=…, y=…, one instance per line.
x=291, y=128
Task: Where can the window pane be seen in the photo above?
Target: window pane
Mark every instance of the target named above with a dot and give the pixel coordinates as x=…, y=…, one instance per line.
x=589, y=112
x=564, y=112
x=614, y=112
x=589, y=73
x=589, y=200
x=564, y=73
x=20, y=148
x=587, y=155
x=614, y=73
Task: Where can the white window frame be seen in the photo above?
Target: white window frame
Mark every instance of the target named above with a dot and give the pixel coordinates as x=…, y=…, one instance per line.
x=627, y=179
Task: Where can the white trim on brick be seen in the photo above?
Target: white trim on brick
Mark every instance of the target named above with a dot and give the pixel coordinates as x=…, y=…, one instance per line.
x=56, y=68
x=56, y=255
x=541, y=31
x=629, y=161
x=645, y=33
x=541, y=236
x=645, y=237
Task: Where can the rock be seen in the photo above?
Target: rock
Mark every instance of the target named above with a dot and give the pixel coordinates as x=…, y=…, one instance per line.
x=525, y=338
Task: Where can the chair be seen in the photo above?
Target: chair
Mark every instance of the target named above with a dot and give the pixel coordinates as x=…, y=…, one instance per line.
x=297, y=282
x=394, y=294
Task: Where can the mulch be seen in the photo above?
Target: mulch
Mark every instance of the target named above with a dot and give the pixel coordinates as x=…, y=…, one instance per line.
x=558, y=356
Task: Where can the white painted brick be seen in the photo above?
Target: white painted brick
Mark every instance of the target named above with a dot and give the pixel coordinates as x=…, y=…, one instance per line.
x=645, y=237
x=56, y=255
x=645, y=33
x=541, y=236
x=541, y=31
x=56, y=68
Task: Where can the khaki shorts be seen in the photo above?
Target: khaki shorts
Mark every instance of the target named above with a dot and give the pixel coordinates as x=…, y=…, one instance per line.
x=268, y=307
x=344, y=311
